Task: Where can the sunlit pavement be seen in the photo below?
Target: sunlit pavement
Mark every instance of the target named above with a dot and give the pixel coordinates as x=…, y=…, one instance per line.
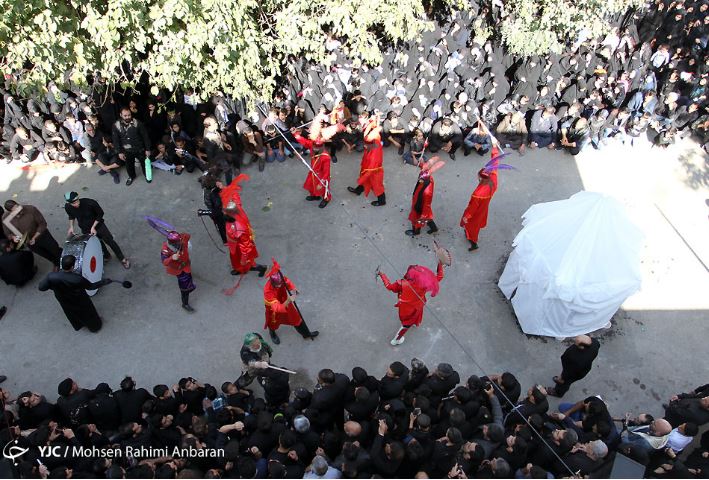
x=654, y=348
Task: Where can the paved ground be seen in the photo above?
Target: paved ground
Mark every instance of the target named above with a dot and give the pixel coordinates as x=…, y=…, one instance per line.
x=653, y=349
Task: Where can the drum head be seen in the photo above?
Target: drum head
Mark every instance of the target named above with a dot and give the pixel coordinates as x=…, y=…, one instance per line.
x=92, y=262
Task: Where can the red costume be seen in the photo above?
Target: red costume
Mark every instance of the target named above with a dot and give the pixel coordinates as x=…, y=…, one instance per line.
x=475, y=215
x=371, y=170
x=182, y=264
x=421, y=211
x=277, y=313
x=320, y=163
x=240, y=240
x=411, y=291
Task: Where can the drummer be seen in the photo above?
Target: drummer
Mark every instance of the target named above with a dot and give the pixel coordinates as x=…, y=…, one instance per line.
x=89, y=214
x=25, y=226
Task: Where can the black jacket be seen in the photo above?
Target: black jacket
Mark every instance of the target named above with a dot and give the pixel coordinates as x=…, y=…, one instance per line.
x=132, y=137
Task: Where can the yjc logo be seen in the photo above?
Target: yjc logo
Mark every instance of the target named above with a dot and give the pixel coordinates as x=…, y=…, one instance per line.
x=12, y=451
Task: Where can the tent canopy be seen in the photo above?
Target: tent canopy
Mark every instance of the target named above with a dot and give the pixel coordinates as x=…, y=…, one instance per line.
x=574, y=263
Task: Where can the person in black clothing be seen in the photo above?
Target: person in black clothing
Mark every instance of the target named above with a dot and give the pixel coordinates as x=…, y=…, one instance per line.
x=130, y=401
x=576, y=362
x=89, y=214
x=34, y=409
x=16, y=266
x=131, y=140
x=328, y=399
x=393, y=383
x=104, y=410
x=73, y=403
x=212, y=186
x=70, y=291
x=191, y=393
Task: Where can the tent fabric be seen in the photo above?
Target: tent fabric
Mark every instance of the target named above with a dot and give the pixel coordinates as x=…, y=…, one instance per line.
x=574, y=263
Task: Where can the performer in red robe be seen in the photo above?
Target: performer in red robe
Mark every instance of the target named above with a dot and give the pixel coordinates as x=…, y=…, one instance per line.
x=175, y=255
x=421, y=212
x=240, y=240
x=411, y=291
x=320, y=163
x=279, y=296
x=371, y=170
x=475, y=215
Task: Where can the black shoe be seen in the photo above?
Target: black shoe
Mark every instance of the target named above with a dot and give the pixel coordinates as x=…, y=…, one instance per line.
x=274, y=337
x=148, y=181
x=313, y=334
x=323, y=204
x=334, y=159
x=261, y=165
x=432, y=228
x=129, y=181
x=116, y=177
x=2, y=378
x=380, y=201
x=234, y=272
x=356, y=191
x=452, y=155
x=466, y=152
x=412, y=233
x=473, y=246
x=3, y=311
x=102, y=172
x=262, y=270
x=187, y=307
x=401, y=150
x=312, y=198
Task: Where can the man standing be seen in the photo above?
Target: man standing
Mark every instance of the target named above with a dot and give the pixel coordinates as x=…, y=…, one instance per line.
x=25, y=221
x=131, y=140
x=576, y=362
x=89, y=214
x=411, y=291
x=240, y=240
x=70, y=291
x=320, y=164
x=475, y=215
x=371, y=170
x=421, y=213
x=175, y=256
x=279, y=296
x=16, y=266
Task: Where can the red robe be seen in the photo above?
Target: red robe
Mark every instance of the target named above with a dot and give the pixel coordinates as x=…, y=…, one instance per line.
x=475, y=215
x=182, y=264
x=277, y=313
x=242, y=249
x=411, y=299
x=371, y=170
x=425, y=195
x=320, y=163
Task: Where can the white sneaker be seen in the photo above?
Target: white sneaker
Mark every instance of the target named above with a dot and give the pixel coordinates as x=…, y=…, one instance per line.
x=394, y=342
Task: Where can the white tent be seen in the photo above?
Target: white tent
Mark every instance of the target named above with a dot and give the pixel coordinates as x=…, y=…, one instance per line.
x=573, y=264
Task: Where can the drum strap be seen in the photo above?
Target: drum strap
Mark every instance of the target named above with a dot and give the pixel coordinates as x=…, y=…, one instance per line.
x=7, y=221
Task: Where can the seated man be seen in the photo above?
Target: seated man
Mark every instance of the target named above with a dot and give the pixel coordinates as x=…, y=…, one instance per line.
x=575, y=135
x=478, y=140
x=647, y=438
x=512, y=132
x=107, y=160
x=26, y=146
x=544, y=126
x=16, y=266
x=445, y=135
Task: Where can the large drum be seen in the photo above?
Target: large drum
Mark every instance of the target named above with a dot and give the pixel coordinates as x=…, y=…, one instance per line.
x=89, y=257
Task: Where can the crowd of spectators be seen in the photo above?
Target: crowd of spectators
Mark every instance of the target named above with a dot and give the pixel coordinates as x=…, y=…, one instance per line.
x=410, y=423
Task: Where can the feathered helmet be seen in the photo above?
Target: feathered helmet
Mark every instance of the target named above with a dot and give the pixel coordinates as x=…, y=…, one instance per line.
x=494, y=164
x=432, y=165
x=422, y=278
x=174, y=237
x=274, y=274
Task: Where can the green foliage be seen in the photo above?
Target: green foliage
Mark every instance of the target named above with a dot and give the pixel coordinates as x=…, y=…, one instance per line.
x=233, y=46
x=542, y=26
